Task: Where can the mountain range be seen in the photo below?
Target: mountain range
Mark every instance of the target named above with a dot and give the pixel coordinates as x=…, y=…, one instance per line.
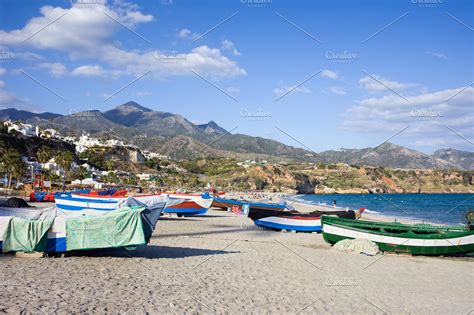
x=175, y=136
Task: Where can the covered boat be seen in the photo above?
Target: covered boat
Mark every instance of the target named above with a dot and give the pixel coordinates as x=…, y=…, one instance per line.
x=295, y=220
x=50, y=230
x=416, y=239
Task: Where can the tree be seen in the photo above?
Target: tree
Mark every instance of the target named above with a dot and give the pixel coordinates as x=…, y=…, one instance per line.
x=110, y=165
x=64, y=159
x=3, y=128
x=44, y=154
x=12, y=164
x=80, y=173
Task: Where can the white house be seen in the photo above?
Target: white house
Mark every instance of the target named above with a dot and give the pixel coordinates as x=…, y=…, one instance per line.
x=144, y=176
x=25, y=129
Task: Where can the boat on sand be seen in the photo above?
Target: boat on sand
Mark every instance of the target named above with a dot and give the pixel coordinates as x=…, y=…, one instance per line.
x=225, y=204
x=294, y=220
x=190, y=204
x=415, y=239
x=51, y=230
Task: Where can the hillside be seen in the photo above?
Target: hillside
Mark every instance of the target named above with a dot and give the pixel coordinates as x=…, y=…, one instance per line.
x=462, y=158
x=389, y=155
x=175, y=136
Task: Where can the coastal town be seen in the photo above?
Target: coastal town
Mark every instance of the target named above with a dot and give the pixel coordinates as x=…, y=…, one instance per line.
x=55, y=166
x=51, y=161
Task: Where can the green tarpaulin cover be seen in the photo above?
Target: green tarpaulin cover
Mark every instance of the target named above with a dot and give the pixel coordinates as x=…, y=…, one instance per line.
x=23, y=235
x=118, y=228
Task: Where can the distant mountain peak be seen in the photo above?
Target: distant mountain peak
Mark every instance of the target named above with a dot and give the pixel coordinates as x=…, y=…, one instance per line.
x=15, y=114
x=133, y=106
x=212, y=127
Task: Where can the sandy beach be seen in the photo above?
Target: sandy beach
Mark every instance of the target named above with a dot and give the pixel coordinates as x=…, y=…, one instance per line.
x=221, y=263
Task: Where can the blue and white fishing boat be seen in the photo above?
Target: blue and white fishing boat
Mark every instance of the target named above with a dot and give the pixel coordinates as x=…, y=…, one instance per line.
x=292, y=220
x=75, y=203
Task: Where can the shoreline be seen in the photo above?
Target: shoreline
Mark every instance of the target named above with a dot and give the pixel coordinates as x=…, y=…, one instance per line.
x=303, y=206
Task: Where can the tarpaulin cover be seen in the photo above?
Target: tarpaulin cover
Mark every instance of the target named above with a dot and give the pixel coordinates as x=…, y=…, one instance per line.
x=118, y=228
x=14, y=202
x=23, y=235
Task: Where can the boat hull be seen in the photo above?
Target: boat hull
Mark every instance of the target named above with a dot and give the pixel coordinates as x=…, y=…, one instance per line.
x=456, y=243
x=186, y=208
x=56, y=244
x=229, y=203
x=76, y=204
x=295, y=223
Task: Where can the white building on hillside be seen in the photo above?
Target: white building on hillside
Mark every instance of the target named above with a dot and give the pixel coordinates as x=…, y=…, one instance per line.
x=24, y=129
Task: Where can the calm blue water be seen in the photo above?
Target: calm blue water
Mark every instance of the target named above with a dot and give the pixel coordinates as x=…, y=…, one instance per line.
x=437, y=208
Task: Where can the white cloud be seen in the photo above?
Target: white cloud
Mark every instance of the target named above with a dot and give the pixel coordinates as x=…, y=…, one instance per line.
x=88, y=71
x=329, y=74
x=2, y=71
x=187, y=34
x=136, y=17
x=437, y=55
x=56, y=69
x=377, y=83
x=203, y=60
x=86, y=32
x=337, y=90
x=184, y=33
x=279, y=91
x=426, y=114
x=228, y=45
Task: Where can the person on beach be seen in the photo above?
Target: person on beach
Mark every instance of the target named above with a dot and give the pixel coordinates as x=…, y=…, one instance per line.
x=334, y=203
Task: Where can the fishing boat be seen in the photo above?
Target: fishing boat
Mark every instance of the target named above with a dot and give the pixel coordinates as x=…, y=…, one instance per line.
x=190, y=204
x=230, y=203
x=294, y=220
x=51, y=230
x=416, y=239
x=93, y=203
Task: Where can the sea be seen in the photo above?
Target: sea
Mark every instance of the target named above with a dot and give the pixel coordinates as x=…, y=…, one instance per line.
x=430, y=208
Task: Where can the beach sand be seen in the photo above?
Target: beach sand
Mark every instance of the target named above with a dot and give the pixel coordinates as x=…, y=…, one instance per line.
x=222, y=263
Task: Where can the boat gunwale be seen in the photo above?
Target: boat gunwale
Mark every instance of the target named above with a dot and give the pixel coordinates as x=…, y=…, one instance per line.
x=410, y=229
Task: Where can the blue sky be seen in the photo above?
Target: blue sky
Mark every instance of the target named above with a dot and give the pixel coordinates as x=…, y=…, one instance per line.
x=349, y=74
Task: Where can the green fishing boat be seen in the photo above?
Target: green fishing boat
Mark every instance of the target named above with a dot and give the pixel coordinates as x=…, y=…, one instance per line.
x=415, y=239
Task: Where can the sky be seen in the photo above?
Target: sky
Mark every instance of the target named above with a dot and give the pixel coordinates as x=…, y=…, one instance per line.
x=320, y=75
